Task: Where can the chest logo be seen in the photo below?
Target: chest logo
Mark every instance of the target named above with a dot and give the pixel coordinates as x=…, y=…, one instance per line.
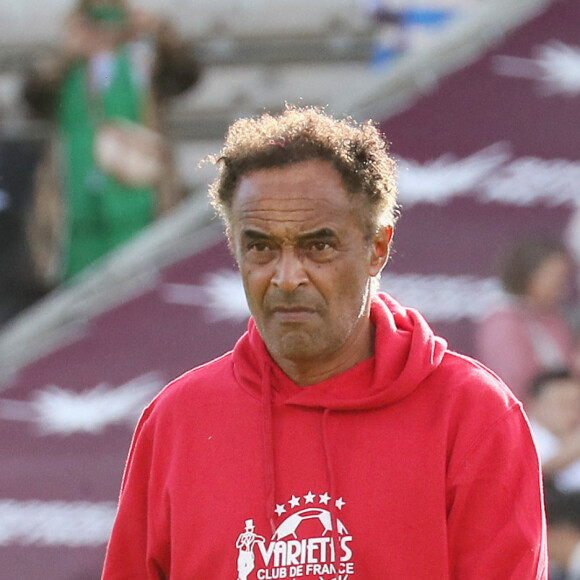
x=310, y=541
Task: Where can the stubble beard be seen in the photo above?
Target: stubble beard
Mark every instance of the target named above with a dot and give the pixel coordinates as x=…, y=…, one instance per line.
x=305, y=345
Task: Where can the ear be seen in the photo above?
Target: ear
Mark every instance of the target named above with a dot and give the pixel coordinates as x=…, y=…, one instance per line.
x=380, y=249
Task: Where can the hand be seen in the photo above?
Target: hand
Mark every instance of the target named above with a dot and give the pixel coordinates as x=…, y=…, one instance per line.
x=79, y=39
x=78, y=43
x=143, y=22
x=84, y=38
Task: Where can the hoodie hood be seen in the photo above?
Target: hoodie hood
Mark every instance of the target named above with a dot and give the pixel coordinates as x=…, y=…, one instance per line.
x=406, y=352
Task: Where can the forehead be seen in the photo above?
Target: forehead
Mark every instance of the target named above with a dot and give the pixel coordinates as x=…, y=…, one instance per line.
x=301, y=195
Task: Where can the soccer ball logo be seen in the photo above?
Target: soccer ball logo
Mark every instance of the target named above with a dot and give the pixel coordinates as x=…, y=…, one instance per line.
x=321, y=517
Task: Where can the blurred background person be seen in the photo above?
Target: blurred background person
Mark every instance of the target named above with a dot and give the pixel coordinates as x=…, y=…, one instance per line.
x=554, y=411
x=528, y=333
x=109, y=172
x=563, y=515
x=17, y=162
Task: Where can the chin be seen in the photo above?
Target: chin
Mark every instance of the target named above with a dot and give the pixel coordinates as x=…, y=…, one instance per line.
x=295, y=348
x=303, y=347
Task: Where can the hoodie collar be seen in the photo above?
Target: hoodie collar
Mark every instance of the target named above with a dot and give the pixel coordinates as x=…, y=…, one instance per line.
x=406, y=352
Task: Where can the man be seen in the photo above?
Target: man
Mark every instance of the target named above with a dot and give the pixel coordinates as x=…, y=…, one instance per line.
x=358, y=445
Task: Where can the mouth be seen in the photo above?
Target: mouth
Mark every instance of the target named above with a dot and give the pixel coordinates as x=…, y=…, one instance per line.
x=293, y=314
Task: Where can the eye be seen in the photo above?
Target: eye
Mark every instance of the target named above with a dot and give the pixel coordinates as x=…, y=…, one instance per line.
x=320, y=250
x=259, y=246
x=260, y=251
x=319, y=246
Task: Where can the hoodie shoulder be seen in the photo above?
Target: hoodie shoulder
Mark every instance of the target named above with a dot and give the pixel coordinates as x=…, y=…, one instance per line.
x=480, y=413
x=196, y=385
x=472, y=391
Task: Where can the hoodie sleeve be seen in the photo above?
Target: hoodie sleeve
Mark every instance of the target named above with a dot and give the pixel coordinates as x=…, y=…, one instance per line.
x=495, y=507
x=136, y=550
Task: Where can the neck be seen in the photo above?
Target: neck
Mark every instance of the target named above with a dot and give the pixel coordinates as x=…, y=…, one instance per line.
x=358, y=348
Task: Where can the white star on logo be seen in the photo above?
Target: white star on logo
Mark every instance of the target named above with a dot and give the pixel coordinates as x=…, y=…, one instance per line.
x=325, y=499
x=339, y=503
x=280, y=509
x=295, y=501
x=309, y=497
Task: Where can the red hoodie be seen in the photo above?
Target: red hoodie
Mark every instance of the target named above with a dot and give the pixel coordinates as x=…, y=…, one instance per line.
x=417, y=464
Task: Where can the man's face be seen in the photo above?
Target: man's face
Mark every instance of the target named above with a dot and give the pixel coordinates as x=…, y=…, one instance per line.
x=305, y=261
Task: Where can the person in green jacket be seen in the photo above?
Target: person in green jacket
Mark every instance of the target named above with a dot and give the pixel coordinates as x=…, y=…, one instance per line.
x=116, y=66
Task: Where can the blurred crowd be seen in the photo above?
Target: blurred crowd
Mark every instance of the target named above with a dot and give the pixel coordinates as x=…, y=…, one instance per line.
x=532, y=341
x=108, y=168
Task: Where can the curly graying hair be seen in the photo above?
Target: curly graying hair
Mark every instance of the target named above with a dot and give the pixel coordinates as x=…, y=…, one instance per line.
x=358, y=153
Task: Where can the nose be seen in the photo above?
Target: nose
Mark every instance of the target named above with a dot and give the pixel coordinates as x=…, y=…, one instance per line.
x=289, y=271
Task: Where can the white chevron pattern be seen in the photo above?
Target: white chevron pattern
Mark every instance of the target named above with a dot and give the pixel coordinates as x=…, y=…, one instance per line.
x=55, y=523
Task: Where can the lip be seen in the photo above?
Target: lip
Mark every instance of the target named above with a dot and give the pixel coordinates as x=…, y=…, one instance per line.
x=293, y=313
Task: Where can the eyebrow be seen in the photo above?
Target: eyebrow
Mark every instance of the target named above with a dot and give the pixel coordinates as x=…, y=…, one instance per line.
x=322, y=233
x=255, y=235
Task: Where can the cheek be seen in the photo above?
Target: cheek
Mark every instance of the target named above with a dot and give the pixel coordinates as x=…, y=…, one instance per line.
x=348, y=286
x=256, y=282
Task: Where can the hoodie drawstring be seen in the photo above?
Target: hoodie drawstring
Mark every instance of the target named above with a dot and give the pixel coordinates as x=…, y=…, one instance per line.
x=331, y=482
x=269, y=457
x=268, y=440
